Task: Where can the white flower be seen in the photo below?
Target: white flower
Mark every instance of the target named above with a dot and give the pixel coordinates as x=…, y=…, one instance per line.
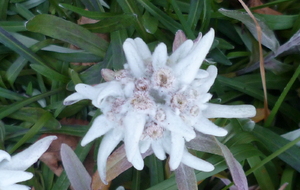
x=12, y=169
x=157, y=101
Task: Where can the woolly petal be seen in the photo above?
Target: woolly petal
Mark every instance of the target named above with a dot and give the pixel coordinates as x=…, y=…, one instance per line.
x=137, y=161
x=205, y=126
x=180, y=52
x=209, y=81
x=134, y=125
x=29, y=156
x=4, y=156
x=187, y=68
x=73, y=98
x=175, y=124
x=177, y=149
x=135, y=61
x=158, y=150
x=160, y=56
x=112, y=88
x=142, y=48
x=229, y=111
x=99, y=127
x=202, y=74
x=17, y=187
x=90, y=92
x=196, y=163
x=145, y=145
x=9, y=177
x=108, y=143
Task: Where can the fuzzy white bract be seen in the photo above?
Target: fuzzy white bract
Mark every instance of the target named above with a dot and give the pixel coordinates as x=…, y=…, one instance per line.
x=12, y=169
x=157, y=101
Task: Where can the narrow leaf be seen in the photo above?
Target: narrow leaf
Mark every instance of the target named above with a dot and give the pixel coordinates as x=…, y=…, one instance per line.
x=236, y=170
x=268, y=37
x=69, y=32
x=185, y=178
x=76, y=172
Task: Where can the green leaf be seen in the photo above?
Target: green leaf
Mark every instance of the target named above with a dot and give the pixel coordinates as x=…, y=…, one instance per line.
x=150, y=23
x=31, y=114
x=268, y=37
x=49, y=73
x=131, y=7
x=69, y=32
x=111, y=24
x=32, y=131
x=8, y=40
x=274, y=142
x=262, y=176
x=163, y=18
x=195, y=9
x=88, y=14
x=3, y=9
x=278, y=22
x=18, y=105
x=13, y=26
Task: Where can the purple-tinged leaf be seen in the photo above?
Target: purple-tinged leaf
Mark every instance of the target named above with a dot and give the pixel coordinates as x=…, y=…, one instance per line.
x=277, y=67
x=291, y=46
x=204, y=143
x=116, y=164
x=178, y=40
x=185, y=178
x=77, y=174
x=236, y=170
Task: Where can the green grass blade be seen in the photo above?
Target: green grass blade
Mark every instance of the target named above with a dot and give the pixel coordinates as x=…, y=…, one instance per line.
x=168, y=22
x=17, y=105
x=69, y=32
x=282, y=97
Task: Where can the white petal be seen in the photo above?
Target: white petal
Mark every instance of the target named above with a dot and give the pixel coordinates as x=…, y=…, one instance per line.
x=202, y=74
x=134, y=60
x=73, y=98
x=112, y=88
x=209, y=81
x=177, y=149
x=134, y=125
x=4, y=156
x=180, y=52
x=99, y=127
x=196, y=163
x=108, y=143
x=175, y=124
x=206, y=126
x=9, y=177
x=29, y=156
x=229, y=111
x=17, y=187
x=128, y=89
x=160, y=56
x=158, y=150
x=137, y=161
x=188, y=67
x=90, y=92
x=142, y=48
x=145, y=145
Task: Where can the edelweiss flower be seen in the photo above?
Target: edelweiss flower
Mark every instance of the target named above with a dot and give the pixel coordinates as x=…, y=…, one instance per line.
x=157, y=102
x=12, y=169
